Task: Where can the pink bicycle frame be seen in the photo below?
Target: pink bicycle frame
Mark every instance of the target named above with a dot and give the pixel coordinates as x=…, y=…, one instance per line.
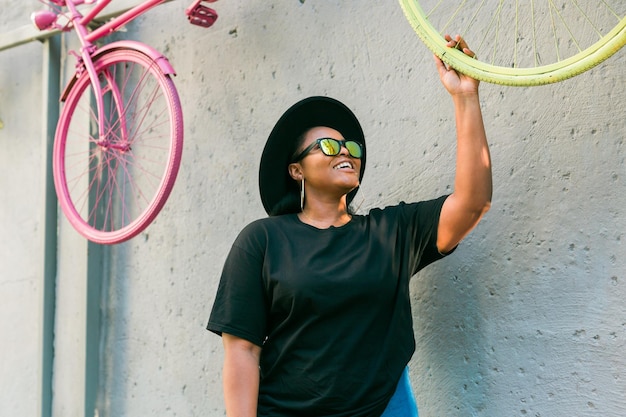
x=88, y=49
x=111, y=26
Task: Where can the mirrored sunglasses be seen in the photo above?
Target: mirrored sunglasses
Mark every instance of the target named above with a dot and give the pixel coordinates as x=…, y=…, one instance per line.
x=332, y=147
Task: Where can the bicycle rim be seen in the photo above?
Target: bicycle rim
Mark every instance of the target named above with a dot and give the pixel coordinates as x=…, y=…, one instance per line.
x=111, y=188
x=522, y=43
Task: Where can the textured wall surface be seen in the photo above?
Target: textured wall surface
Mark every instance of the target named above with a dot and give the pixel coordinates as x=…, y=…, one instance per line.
x=20, y=214
x=527, y=318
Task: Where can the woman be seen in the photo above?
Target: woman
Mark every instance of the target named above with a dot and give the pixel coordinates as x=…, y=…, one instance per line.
x=313, y=304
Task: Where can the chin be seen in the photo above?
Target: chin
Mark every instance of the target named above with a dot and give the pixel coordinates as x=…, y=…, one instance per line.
x=351, y=187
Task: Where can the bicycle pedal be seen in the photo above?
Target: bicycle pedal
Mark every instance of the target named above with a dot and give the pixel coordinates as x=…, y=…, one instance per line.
x=201, y=15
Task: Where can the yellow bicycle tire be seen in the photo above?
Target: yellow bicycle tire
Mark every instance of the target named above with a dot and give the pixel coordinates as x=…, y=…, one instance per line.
x=582, y=61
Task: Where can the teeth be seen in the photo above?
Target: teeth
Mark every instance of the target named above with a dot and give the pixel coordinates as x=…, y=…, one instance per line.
x=343, y=165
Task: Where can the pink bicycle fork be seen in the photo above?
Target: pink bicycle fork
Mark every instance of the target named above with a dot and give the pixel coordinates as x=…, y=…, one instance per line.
x=89, y=52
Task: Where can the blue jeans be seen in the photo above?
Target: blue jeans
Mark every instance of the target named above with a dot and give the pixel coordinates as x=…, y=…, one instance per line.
x=402, y=404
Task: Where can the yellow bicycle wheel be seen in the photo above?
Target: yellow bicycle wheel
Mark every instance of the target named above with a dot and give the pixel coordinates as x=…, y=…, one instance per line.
x=521, y=42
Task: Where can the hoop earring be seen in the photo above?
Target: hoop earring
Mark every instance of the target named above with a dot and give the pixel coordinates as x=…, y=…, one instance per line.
x=302, y=195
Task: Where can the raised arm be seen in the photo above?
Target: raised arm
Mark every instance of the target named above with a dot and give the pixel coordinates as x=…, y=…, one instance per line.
x=241, y=376
x=471, y=197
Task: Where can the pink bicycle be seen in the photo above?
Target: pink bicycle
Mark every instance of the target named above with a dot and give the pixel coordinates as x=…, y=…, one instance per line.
x=119, y=138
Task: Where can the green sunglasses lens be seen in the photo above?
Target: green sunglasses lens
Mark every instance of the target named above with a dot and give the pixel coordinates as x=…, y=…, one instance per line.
x=332, y=147
x=354, y=148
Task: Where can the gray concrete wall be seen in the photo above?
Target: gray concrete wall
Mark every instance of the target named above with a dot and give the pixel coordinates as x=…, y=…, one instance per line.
x=526, y=318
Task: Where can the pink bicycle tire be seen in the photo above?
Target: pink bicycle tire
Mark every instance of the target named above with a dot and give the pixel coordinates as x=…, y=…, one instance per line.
x=110, y=189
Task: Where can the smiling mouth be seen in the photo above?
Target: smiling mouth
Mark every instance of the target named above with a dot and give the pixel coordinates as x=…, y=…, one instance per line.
x=343, y=165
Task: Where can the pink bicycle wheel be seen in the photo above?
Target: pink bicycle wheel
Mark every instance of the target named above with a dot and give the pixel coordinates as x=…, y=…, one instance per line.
x=112, y=187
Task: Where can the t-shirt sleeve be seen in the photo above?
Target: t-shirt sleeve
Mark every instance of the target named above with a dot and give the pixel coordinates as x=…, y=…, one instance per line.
x=422, y=222
x=240, y=307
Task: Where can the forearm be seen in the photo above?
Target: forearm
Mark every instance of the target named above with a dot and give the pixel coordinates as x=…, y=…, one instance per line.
x=241, y=381
x=473, y=183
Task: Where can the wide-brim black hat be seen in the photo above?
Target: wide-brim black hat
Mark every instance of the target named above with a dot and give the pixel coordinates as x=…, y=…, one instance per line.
x=275, y=184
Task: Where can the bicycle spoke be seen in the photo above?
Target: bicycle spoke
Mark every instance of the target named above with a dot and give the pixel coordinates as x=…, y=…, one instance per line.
x=434, y=9
x=533, y=27
x=123, y=133
x=587, y=18
x=132, y=103
x=474, y=17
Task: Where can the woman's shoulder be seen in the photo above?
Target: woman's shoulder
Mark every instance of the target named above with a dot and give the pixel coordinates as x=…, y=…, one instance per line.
x=264, y=227
x=265, y=223
x=254, y=237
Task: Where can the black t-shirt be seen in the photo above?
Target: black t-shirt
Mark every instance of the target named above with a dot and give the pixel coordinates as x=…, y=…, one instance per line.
x=329, y=307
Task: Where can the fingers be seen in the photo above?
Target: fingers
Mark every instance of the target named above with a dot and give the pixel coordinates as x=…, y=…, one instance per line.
x=441, y=67
x=457, y=42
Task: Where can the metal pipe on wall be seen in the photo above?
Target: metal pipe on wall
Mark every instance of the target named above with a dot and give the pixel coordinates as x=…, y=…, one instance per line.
x=50, y=114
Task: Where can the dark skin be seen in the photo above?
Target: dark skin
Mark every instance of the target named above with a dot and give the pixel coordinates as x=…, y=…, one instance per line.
x=328, y=180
